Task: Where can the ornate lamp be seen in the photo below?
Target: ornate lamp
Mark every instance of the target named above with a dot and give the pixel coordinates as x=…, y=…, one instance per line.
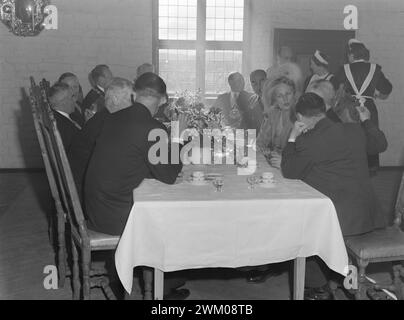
x=23, y=17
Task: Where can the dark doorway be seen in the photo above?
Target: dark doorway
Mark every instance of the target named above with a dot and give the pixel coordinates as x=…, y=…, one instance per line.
x=305, y=42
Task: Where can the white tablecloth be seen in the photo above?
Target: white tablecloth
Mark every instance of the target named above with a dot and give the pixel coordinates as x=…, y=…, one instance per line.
x=183, y=226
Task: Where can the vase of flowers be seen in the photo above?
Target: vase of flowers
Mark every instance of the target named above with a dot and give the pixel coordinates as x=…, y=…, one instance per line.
x=200, y=116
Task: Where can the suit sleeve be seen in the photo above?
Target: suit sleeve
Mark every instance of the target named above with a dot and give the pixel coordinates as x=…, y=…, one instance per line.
x=376, y=141
x=296, y=160
x=164, y=172
x=338, y=78
x=383, y=85
x=83, y=145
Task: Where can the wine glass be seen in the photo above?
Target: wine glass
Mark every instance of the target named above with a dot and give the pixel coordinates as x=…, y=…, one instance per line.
x=253, y=181
x=218, y=183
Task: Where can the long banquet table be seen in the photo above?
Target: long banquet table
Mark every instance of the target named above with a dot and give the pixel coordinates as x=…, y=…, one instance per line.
x=183, y=226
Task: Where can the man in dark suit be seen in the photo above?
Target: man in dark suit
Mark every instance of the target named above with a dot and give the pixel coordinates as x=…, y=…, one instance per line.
x=63, y=103
x=234, y=104
x=256, y=106
x=347, y=110
x=73, y=82
x=120, y=161
x=332, y=158
x=101, y=76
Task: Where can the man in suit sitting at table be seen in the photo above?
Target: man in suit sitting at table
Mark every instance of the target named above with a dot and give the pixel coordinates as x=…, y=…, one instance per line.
x=332, y=158
x=63, y=103
x=234, y=104
x=118, y=96
x=120, y=162
x=101, y=76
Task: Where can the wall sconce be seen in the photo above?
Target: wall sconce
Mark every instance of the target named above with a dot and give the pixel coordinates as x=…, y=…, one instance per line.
x=23, y=17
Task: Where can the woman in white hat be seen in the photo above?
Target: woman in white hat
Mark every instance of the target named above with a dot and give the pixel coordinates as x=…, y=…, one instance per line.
x=319, y=65
x=366, y=82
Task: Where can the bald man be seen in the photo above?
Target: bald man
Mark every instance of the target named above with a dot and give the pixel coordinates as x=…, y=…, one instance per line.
x=63, y=103
x=325, y=89
x=101, y=76
x=73, y=82
x=145, y=68
x=234, y=104
x=118, y=96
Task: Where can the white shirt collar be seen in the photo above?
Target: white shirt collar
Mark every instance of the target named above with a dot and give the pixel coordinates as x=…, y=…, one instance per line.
x=64, y=114
x=101, y=89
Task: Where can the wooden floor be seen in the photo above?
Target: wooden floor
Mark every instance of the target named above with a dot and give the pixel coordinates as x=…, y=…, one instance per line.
x=25, y=249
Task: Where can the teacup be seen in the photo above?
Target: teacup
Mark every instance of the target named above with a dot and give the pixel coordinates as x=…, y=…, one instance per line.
x=198, y=176
x=267, y=177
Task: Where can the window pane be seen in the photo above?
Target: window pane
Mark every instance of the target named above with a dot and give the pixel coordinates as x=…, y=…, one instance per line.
x=223, y=18
x=178, y=69
x=219, y=63
x=178, y=13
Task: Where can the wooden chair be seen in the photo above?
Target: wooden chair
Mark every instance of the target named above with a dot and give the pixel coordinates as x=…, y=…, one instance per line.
x=87, y=240
x=83, y=241
x=385, y=245
x=60, y=217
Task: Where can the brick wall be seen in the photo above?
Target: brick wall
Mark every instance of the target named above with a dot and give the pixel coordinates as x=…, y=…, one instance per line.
x=91, y=32
x=381, y=28
x=119, y=33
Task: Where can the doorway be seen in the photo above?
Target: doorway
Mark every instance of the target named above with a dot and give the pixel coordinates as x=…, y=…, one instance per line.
x=305, y=42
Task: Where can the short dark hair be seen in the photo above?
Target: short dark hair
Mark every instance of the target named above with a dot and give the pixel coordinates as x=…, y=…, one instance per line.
x=310, y=105
x=150, y=84
x=57, y=90
x=98, y=72
x=258, y=72
x=359, y=51
x=66, y=75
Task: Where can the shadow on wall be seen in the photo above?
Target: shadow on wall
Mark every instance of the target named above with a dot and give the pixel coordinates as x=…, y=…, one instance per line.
x=31, y=151
x=29, y=145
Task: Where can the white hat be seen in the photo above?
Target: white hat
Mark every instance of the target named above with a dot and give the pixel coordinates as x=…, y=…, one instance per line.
x=351, y=41
x=320, y=57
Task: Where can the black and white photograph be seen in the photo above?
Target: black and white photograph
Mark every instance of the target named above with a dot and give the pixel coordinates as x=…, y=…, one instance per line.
x=214, y=151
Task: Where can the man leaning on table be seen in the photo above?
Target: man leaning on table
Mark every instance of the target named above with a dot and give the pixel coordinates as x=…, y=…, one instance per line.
x=332, y=158
x=120, y=162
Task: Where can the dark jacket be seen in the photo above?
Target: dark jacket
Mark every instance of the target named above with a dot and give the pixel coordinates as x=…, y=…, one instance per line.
x=120, y=162
x=67, y=129
x=78, y=116
x=240, y=118
x=94, y=100
x=332, y=159
x=82, y=147
x=376, y=141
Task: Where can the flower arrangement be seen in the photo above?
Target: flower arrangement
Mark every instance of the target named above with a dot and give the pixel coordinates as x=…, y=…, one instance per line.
x=200, y=116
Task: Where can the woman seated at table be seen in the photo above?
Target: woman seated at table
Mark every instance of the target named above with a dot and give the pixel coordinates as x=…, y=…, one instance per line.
x=279, y=97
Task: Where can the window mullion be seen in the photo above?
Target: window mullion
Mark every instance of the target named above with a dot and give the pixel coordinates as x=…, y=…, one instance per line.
x=200, y=46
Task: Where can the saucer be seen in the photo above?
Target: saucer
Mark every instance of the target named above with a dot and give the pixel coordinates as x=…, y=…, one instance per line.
x=198, y=183
x=267, y=184
x=213, y=176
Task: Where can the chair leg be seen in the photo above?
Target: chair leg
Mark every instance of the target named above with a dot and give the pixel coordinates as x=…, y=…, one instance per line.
x=62, y=256
x=360, y=294
x=107, y=289
x=397, y=282
x=333, y=287
x=76, y=272
x=148, y=276
x=86, y=263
